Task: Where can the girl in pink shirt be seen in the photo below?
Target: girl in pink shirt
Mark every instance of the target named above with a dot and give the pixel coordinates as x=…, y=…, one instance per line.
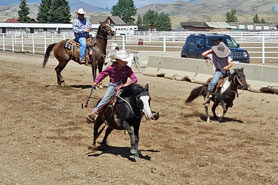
x=118, y=72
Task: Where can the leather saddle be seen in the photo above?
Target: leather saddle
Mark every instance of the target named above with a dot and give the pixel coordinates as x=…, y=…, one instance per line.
x=74, y=46
x=218, y=86
x=107, y=111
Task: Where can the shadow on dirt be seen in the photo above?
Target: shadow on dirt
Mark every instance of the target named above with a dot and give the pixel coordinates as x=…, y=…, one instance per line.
x=117, y=151
x=224, y=120
x=82, y=86
x=203, y=117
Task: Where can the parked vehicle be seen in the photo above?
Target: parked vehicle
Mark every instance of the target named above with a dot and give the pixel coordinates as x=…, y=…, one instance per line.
x=196, y=44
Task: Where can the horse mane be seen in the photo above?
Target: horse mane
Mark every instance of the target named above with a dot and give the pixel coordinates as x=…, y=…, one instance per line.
x=132, y=90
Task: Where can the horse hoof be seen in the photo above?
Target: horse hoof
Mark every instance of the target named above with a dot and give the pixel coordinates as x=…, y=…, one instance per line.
x=62, y=83
x=136, y=158
x=133, y=151
x=208, y=120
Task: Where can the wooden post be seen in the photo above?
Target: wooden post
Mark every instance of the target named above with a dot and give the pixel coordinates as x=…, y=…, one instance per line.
x=33, y=44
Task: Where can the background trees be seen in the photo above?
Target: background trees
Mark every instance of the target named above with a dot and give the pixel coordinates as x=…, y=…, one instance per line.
x=160, y=21
x=256, y=19
x=125, y=9
x=231, y=16
x=54, y=11
x=23, y=12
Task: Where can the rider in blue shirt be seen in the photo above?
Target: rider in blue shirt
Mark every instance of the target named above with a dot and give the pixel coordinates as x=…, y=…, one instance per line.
x=81, y=28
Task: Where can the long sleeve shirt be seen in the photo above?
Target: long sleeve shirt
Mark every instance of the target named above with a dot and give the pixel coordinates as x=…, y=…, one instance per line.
x=79, y=26
x=117, y=75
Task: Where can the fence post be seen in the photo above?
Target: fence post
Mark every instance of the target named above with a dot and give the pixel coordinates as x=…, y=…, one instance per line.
x=4, y=42
x=164, y=43
x=33, y=44
x=45, y=42
x=52, y=40
x=263, y=48
x=22, y=42
x=123, y=40
x=12, y=42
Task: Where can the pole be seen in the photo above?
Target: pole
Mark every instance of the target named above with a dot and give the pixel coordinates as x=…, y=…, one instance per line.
x=263, y=48
x=164, y=44
x=33, y=44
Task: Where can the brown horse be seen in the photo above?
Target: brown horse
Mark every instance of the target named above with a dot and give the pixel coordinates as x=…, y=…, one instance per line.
x=97, y=51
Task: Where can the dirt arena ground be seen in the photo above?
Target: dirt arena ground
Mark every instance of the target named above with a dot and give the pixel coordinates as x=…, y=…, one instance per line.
x=45, y=138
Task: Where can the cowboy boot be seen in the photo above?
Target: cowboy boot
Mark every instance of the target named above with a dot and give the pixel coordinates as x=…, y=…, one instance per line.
x=207, y=98
x=91, y=118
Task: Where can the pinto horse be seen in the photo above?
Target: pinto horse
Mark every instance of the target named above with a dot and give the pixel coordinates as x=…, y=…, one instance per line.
x=97, y=52
x=224, y=96
x=131, y=105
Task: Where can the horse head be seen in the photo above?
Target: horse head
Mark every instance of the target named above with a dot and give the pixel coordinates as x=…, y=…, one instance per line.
x=105, y=30
x=143, y=103
x=239, y=77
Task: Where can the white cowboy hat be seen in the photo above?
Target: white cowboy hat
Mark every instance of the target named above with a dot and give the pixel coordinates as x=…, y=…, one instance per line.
x=221, y=50
x=81, y=11
x=121, y=55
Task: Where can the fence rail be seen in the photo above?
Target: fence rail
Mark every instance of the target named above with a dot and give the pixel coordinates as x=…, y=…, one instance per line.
x=260, y=45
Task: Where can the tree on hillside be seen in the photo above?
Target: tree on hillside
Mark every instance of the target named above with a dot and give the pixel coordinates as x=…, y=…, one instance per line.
x=23, y=12
x=54, y=11
x=262, y=20
x=59, y=11
x=44, y=11
x=163, y=22
x=125, y=9
x=231, y=16
x=160, y=21
x=139, y=22
x=149, y=18
x=256, y=19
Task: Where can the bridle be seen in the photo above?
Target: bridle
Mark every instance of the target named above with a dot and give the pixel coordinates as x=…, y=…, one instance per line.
x=239, y=81
x=102, y=29
x=130, y=107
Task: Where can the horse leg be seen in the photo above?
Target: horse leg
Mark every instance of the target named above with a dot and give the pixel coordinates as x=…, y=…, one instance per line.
x=132, y=141
x=94, y=68
x=96, y=132
x=223, y=104
x=136, y=136
x=207, y=115
x=59, y=68
x=213, y=109
x=107, y=132
x=100, y=66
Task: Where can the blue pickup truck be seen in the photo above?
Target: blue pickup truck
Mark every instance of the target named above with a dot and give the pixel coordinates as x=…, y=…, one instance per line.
x=196, y=44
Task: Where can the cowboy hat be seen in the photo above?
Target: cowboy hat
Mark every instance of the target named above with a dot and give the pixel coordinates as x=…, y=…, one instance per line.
x=121, y=55
x=81, y=11
x=221, y=50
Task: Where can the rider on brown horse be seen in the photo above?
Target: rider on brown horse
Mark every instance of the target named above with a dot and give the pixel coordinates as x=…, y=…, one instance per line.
x=118, y=73
x=81, y=28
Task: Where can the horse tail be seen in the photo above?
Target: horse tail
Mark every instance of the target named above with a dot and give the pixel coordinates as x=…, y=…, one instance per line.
x=47, y=53
x=195, y=93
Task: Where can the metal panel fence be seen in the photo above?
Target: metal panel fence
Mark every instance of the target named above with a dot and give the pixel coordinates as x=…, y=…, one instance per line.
x=262, y=46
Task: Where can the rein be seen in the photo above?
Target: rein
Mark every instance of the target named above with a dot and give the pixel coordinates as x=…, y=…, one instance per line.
x=138, y=117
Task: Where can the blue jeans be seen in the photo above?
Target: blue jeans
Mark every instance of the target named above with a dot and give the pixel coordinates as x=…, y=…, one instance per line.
x=217, y=75
x=82, y=41
x=108, y=94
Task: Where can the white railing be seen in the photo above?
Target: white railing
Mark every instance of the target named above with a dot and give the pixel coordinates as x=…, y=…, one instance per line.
x=260, y=45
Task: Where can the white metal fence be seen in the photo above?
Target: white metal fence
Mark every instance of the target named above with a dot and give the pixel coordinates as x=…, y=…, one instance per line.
x=260, y=45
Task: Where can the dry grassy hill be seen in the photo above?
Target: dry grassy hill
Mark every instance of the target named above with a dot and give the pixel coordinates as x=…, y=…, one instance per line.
x=214, y=10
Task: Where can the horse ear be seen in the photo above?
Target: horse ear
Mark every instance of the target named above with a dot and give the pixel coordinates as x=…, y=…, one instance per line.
x=147, y=87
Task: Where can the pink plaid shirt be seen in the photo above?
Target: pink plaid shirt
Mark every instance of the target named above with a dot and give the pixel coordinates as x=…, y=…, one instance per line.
x=117, y=75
